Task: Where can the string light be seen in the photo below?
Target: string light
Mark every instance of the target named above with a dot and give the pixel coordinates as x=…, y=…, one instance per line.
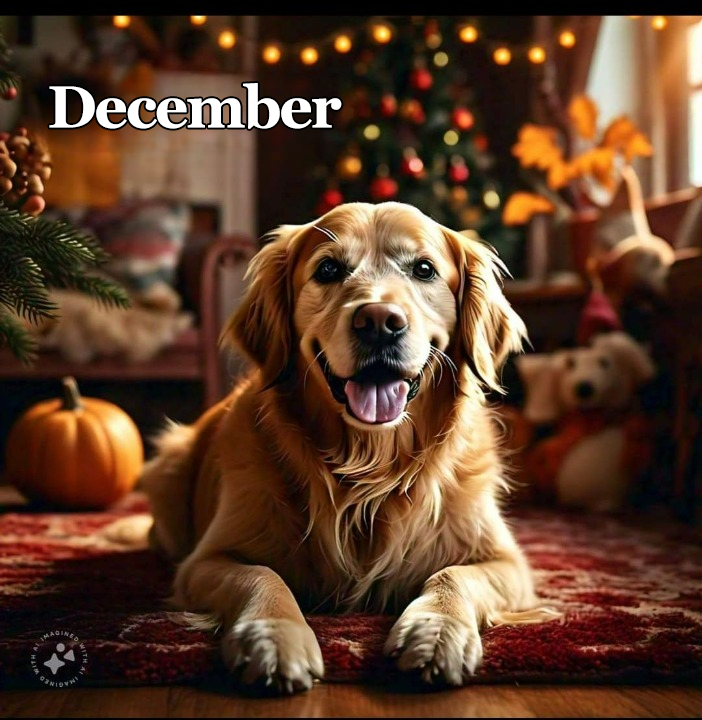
x=468, y=33
x=491, y=199
x=226, y=39
x=451, y=138
x=342, y=43
x=502, y=56
x=309, y=55
x=441, y=59
x=381, y=33
x=271, y=54
x=121, y=21
x=566, y=39
x=536, y=54
x=371, y=132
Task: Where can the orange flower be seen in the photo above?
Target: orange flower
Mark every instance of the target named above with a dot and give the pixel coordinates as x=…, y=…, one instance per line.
x=541, y=147
x=520, y=207
x=537, y=147
x=583, y=112
x=624, y=137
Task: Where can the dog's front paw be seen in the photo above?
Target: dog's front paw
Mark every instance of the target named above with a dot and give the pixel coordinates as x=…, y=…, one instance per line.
x=442, y=648
x=278, y=655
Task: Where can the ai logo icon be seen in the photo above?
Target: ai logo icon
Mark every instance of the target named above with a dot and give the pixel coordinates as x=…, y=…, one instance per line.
x=59, y=658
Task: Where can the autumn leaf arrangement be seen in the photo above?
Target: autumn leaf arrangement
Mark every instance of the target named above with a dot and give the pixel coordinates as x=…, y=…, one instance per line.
x=578, y=163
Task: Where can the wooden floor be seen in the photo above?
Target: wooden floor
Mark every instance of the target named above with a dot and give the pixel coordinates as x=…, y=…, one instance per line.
x=358, y=701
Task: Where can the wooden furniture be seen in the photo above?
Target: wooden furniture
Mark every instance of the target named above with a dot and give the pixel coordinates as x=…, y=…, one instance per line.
x=193, y=356
x=550, y=310
x=682, y=328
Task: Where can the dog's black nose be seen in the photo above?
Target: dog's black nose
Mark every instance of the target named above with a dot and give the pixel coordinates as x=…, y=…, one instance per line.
x=584, y=390
x=379, y=323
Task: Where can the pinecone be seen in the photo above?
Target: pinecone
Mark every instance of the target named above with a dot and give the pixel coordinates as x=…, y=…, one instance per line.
x=25, y=165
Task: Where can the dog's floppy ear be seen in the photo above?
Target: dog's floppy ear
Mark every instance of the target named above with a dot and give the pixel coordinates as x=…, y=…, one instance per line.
x=629, y=353
x=540, y=373
x=489, y=327
x=262, y=325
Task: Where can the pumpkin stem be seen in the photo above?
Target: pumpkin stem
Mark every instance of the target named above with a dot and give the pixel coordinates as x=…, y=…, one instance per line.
x=71, y=394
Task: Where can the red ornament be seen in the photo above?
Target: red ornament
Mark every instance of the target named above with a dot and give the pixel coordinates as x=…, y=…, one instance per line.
x=330, y=199
x=388, y=105
x=462, y=118
x=10, y=93
x=383, y=188
x=421, y=79
x=481, y=142
x=458, y=172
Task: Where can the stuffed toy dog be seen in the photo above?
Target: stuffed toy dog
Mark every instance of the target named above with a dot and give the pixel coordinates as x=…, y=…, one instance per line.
x=596, y=440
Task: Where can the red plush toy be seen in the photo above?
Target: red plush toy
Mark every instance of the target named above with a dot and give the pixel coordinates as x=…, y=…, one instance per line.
x=600, y=442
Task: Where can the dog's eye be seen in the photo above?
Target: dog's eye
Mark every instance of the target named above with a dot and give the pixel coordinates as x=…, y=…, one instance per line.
x=604, y=362
x=329, y=271
x=423, y=270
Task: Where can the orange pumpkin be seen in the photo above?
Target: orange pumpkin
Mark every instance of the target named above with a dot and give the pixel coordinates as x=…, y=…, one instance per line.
x=76, y=453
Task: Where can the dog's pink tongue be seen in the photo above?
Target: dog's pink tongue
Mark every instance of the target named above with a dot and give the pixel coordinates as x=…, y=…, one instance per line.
x=377, y=402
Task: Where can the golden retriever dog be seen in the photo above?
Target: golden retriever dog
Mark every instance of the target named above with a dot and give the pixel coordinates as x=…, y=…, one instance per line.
x=358, y=466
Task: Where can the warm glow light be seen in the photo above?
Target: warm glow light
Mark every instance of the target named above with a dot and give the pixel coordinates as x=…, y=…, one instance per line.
x=342, y=43
x=309, y=55
x=350, y=166
x=566, y=39
x=226, y=40
x=441, y=59
x=658, y=22
x=491, y=199
x=502, y=56
x=468, y=34
x=371, y=132
x=121, y=21
x=198, y=19
x=536, y=54
x=381, y=33
x=451, y=137
x=271, y=54
x=415, y=165
x=634, y=17
x=434, y=40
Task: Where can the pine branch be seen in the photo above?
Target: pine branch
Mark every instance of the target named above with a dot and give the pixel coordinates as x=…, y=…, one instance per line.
x=16, y=336
x=106, y=292
x=23, y=289
x=38, y=254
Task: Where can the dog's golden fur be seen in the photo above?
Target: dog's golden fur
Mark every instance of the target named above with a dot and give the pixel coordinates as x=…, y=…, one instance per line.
x=282, y=500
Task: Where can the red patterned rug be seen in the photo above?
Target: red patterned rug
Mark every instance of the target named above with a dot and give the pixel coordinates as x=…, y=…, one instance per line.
x=631, y=595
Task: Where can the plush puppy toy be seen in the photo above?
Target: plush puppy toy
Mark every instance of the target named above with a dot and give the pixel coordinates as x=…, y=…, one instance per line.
x=600, y=442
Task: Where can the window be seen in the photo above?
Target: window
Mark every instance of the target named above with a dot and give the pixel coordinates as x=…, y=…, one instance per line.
x=694, y=79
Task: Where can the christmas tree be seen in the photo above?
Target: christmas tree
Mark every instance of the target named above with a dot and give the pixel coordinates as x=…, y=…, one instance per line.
x=37, y=254
x=408, y=130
